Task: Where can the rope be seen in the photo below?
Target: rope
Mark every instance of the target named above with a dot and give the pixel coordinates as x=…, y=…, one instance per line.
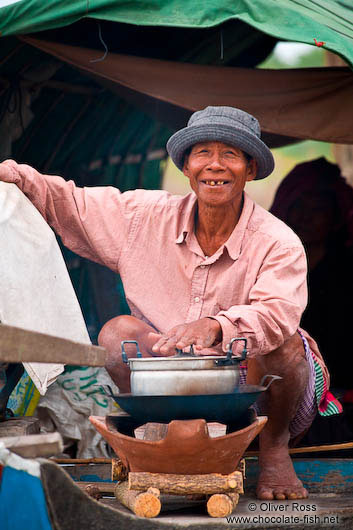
x=104, y=44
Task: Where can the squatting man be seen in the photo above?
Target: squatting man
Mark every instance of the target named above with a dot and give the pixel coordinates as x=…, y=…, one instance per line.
x=201, y=269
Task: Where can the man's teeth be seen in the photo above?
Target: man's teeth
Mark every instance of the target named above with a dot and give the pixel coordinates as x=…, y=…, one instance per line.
x=214, y=183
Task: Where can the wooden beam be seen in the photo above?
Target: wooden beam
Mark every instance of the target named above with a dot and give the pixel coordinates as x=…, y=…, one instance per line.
x=310, y=449
x=102, y=487
x=19, y=345
x=82, y=461
x=33, y=445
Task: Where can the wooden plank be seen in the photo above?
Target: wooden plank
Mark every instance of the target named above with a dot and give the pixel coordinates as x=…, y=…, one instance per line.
x=88, y=472
x=102, y=487
x=34, y=445
x=311, y=449
x=19, y=345
x=19, y=427
x=96, y=460
x=318, y=475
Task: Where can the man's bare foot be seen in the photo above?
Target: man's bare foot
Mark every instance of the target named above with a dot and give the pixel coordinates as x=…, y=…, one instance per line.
x=277, y=479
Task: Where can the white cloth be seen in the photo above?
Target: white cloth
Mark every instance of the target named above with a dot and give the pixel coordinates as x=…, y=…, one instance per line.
x=7, y=458
x=35, y=288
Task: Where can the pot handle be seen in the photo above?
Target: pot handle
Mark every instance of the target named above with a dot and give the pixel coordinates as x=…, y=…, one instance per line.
x=181, y=353
x=243, y=353
x=123, y=352
x=230, y=360
x=273, y=378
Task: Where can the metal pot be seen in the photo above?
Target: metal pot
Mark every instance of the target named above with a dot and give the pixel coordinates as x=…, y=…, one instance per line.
x=184, y=373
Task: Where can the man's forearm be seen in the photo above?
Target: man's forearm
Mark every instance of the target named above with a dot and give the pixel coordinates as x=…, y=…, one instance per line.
x=80, y=216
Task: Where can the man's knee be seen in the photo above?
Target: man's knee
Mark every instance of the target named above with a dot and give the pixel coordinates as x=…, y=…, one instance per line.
x=291, y=353
x=288, y=359
x=117, y=329
x=291, y=349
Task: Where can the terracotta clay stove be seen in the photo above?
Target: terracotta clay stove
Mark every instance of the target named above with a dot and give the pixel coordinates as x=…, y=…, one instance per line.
x=178, y=458
x=187, y=447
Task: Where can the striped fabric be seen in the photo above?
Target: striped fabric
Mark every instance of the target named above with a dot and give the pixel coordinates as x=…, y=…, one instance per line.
x=307, y=409
x=326, y=401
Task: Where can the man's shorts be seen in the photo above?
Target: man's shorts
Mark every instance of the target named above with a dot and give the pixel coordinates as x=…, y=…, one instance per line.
x=316, y=397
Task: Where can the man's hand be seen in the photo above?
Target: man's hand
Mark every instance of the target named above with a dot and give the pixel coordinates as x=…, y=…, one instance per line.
x=6, y=170
x=201, y=333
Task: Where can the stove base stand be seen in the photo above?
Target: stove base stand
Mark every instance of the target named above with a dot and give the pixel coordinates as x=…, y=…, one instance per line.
x=141, y=492
x=143, y=504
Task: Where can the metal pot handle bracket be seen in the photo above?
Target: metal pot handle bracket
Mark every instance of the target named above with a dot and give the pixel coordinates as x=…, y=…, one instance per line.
x=123, y=352
x=273, y=378
x=181, y=353
x=230, y=360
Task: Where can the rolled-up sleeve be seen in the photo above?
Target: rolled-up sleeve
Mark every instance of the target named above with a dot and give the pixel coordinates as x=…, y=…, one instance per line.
x=276, y=303
x=90, y=221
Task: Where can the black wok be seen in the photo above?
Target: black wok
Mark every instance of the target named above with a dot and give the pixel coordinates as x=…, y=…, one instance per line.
x=223, y=408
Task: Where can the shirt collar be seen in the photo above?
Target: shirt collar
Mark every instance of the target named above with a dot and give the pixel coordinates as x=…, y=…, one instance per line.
x=188, y=221
x=235, y=240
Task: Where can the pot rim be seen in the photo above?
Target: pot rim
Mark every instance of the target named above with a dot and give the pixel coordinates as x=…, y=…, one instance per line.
x=176, y=358
x=179, y=363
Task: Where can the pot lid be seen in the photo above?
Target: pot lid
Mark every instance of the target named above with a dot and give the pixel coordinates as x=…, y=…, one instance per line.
x=209, y=362
x=183, y=360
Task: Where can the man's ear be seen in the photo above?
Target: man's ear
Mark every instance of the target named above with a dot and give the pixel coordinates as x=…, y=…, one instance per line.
x=186, y=165
x=251, y=170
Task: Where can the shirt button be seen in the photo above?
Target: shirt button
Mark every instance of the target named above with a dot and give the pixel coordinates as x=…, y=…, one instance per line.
x=196, y=299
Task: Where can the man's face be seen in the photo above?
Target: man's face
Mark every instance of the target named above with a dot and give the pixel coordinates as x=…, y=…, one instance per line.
x=218, y=172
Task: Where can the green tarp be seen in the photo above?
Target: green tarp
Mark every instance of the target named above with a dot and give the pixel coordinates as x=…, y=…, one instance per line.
x=328, y=21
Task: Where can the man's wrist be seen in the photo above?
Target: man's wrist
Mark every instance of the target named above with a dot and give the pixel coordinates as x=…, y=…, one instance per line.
x=218, y=329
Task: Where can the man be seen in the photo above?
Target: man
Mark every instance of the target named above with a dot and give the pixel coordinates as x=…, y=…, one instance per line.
x=200, y=270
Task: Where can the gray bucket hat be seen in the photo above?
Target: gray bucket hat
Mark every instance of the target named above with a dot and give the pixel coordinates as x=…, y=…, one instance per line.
x=223, y=124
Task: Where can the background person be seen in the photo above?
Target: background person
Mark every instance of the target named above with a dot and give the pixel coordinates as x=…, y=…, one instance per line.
x=317, y=203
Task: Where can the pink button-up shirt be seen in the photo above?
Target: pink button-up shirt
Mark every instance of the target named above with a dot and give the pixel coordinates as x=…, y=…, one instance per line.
x=254, y=285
